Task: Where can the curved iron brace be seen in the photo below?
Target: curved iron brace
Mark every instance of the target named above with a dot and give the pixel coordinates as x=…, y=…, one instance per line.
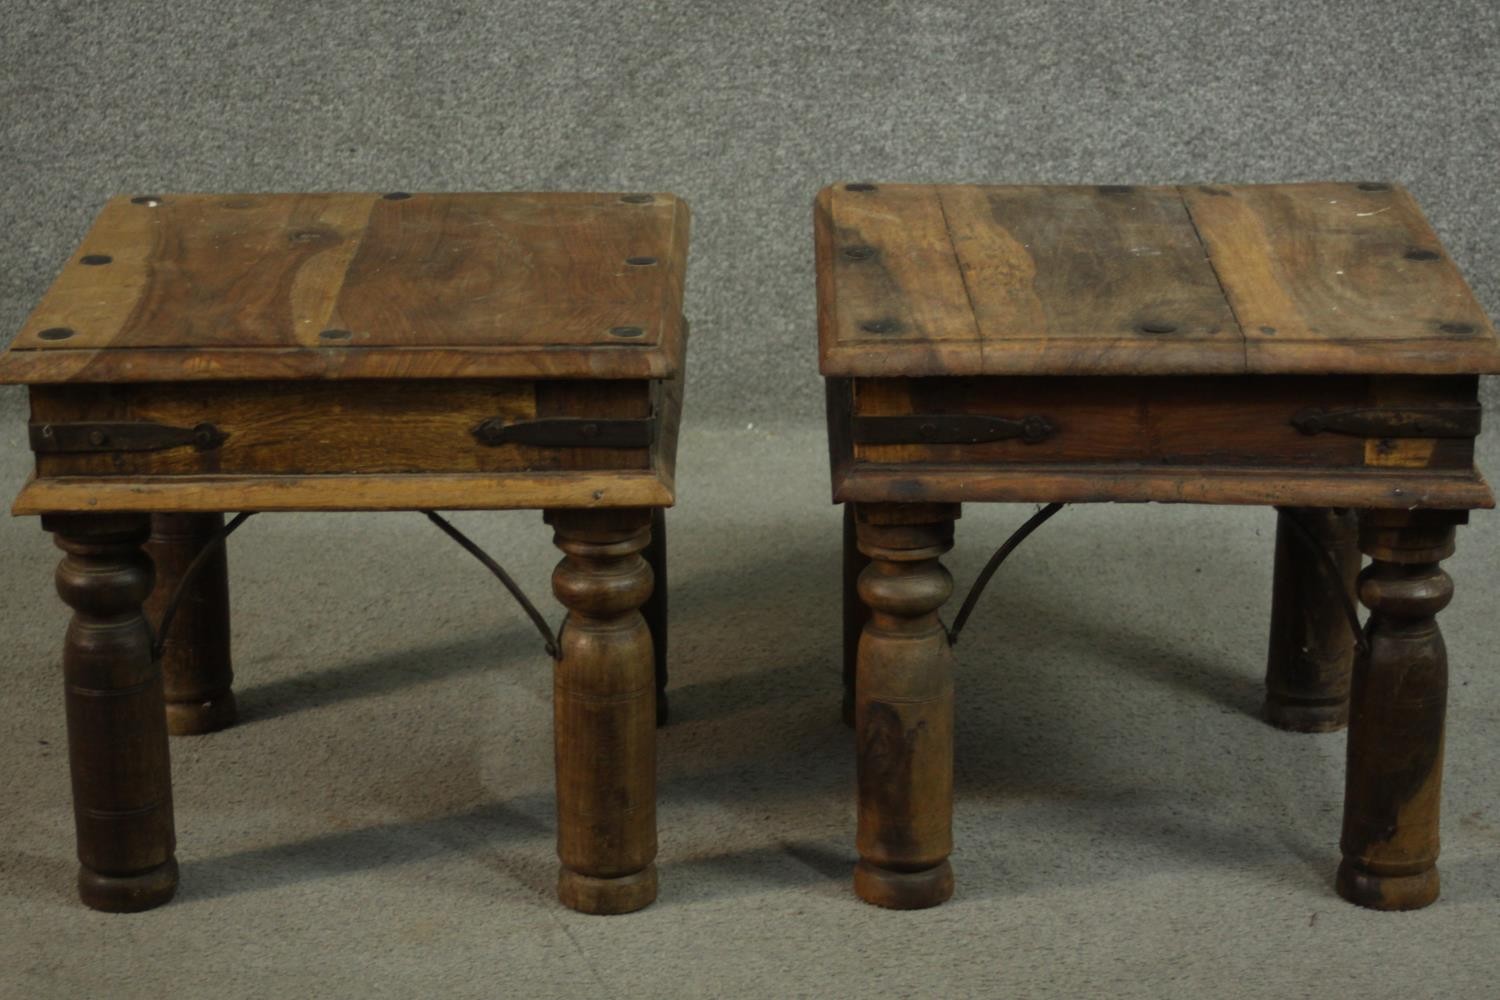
x=1333, y=578
x=474, y=550
x=163, y=627
x=1018, y=536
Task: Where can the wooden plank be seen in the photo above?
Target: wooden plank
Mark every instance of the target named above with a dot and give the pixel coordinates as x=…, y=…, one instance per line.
x=1096, y=483
x=475, y=269
x=1219, y=420
x=265, y=364
x=891, y=299
x=366, y=427
x=1341, y=278
x=501, y=491
x=1089, y=280
x=194, y=271
x=206, y=287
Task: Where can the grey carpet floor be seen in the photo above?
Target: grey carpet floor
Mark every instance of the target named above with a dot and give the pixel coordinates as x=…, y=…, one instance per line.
x=381, y=822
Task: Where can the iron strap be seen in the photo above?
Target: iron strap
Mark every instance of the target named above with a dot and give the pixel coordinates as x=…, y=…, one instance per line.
x=119, y=435
x=469, y=546
x=1018, y=536
x=164, y=626
x=1392, y=422
x=1332, y=576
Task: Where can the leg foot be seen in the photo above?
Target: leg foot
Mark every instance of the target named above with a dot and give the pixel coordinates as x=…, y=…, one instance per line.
x=128, y=893
x=117, y=728
x=903, y=709
x=195, y=656
x=1387, y=892
x=903, y=890
x=604, y=896
x=1393, y=783
x=604, y=708
x=1311, y=651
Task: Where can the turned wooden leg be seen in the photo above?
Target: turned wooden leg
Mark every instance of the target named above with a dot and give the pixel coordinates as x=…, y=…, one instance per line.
x=604, y=707
x=655, y=608
x=1311, y=651
x=855, y=612
x=117, y=731
x=1396, y=706
x=195, y=655
x=903, y=708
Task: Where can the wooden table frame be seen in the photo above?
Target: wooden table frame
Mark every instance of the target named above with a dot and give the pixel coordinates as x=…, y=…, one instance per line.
x=1175, y=345
x=357, y=352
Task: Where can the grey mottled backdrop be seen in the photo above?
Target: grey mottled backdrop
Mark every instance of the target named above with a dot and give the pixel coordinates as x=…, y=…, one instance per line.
x=745, y=109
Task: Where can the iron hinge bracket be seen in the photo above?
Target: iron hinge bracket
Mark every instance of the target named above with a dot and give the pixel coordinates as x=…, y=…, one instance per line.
x=568, y=432
x=966, y=428
x=1393, y=422
x=121, y=435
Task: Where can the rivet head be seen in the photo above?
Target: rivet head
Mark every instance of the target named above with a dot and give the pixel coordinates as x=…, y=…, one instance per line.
x=1158, y=326
x=641, y=261
x=335, y=335
x=638, y=199
x=1373, y=186
x=881, y=326
x=1419, y=253
x=149, y=200
x=927, y=430
x=97, y=438
x=95, y=259
x=860, y=187
x=859, y=253
x=56, y=333
x=396, y=195
x=1035, y=429
x=626, y=331
x=589, y=430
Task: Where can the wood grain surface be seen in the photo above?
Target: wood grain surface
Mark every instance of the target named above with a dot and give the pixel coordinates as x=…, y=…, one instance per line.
x=264, y=286
x=1297, y=278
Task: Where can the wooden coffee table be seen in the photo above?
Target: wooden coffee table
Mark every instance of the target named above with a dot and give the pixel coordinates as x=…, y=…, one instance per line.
x=314, y=352
x=1308, y=346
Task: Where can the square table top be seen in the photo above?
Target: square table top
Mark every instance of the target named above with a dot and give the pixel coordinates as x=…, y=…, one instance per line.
x=1324, y=278
x=334, y=285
